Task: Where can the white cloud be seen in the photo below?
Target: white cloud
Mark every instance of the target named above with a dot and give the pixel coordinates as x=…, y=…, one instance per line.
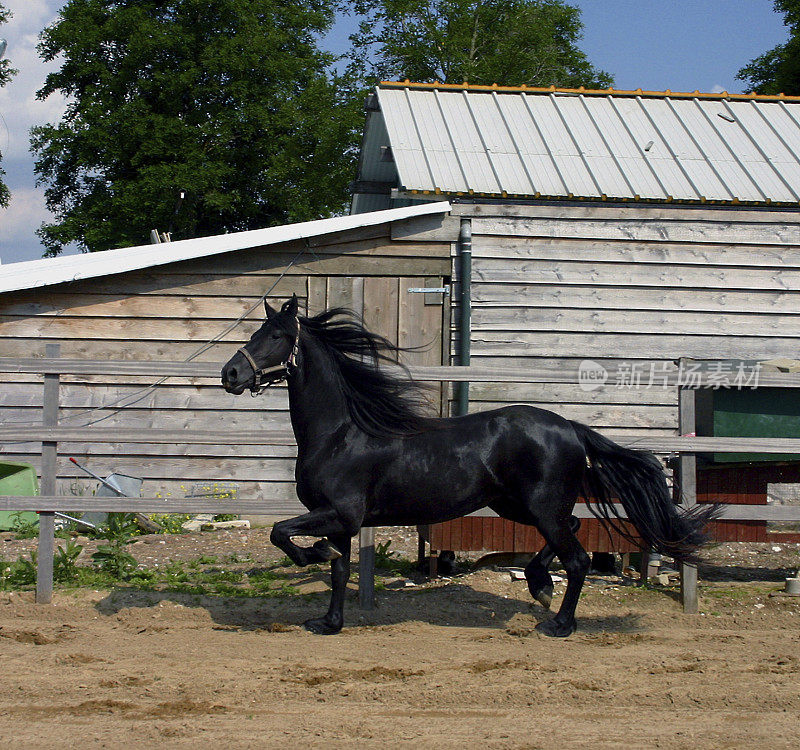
x=21, y=111
x=18, y=223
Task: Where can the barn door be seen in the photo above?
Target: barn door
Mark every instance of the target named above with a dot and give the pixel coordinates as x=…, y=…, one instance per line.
x=407, y=318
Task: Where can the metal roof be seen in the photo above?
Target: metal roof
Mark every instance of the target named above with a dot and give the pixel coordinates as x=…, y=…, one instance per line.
x=572, y=143
x=47, y=271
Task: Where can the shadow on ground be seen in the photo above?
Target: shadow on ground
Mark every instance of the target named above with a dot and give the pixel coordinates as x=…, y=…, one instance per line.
x=721, y=573
x=454, y=605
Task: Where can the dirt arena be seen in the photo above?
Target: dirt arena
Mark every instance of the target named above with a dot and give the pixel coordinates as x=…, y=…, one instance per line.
x=451, y=664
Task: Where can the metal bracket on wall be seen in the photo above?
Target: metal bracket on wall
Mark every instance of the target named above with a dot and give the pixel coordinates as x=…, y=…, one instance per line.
x=430, y=291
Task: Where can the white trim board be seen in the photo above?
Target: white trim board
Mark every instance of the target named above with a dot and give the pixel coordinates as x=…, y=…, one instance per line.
x=37, y=273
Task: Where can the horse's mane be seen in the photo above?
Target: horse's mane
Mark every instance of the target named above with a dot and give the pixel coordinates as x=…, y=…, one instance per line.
x=380, y=403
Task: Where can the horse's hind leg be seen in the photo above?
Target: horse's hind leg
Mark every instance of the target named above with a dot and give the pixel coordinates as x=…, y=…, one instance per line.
x=564, y=543
x=537, y=573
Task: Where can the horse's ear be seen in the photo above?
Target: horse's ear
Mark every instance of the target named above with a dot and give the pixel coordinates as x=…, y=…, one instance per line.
x=270, y=311
x=290, y=306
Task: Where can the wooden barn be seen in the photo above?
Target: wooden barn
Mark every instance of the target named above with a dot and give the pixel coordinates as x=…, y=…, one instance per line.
x=610, y=234
x=180, y=301
x=610, y=230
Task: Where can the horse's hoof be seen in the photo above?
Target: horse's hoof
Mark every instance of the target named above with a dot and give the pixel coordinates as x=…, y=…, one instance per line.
x=320, y=626
x=555, y=629
x=544, y=596
x=326, y=550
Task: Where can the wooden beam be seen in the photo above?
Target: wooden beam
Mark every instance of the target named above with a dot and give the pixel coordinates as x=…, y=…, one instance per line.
x=655, y=444
x=702, y=377
x=366, y=568
x=46, y=546
x=625, y=211
x=687, y=487
x=80, y=503
x=728, y=512
x=154, y=435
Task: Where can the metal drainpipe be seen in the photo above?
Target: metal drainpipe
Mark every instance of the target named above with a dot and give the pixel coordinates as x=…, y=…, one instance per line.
x=465, y=302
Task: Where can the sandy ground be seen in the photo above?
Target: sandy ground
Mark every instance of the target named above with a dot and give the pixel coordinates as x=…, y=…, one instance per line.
x=450, y=664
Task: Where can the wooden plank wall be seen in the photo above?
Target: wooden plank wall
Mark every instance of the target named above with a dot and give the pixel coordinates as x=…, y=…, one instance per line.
x=169, y=312
x=554, y=285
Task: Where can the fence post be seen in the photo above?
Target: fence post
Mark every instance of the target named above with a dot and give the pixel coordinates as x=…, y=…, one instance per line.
x=366, y=568
x=46, y=547
x=687, y=484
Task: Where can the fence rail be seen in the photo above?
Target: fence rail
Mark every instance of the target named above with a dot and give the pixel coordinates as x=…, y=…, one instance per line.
x=50, y=434
x=662, y=444
x=61, y=503
x=706, y=376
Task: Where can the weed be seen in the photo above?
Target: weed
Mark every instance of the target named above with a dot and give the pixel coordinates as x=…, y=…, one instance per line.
x=219, y=575
x=113, y=558
x=390, y=560
x=234, y=558
x=18, y=574
x=65, y=569
x=171, y=523
x=23, y=528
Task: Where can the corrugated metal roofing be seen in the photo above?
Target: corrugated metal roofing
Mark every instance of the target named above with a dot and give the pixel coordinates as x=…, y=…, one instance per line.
x=615, y=145
x=47, y=271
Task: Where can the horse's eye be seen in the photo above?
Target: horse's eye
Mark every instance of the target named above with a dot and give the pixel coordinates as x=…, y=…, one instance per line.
x=276, y=335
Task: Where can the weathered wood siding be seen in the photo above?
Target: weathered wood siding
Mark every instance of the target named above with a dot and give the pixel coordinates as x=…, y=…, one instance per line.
x=169, y=313
x=553, y=286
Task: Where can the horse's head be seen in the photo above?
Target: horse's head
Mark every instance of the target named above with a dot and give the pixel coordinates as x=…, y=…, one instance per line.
x=270, y=354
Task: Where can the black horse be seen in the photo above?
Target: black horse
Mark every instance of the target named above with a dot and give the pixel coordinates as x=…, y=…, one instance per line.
x=367, y=456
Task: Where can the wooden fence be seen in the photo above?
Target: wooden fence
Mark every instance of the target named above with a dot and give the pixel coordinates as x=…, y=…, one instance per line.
x=49, y=433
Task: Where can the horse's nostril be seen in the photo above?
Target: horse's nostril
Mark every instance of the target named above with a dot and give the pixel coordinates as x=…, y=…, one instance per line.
x=232, y=373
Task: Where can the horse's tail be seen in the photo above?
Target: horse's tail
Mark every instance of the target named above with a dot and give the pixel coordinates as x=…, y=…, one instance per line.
x=637, y=479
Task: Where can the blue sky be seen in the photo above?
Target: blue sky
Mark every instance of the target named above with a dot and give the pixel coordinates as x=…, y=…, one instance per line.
x=680, y=45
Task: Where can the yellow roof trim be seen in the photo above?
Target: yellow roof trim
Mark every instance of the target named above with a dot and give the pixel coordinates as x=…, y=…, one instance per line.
x=436, y=86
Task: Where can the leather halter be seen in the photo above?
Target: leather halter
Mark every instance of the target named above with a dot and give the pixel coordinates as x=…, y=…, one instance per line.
x=264, y=377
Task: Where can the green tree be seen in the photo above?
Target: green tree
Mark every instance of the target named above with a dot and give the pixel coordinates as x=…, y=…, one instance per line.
x=511, y=42
x=6, y=73
x=231, y=101
x=778, y=70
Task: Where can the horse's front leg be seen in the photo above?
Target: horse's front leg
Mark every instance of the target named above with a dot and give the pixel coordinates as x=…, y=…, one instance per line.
x=340, y=574
x=336, y=548
x=322, y=522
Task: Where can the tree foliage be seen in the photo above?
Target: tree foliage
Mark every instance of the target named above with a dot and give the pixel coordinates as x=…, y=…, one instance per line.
x=778, y=70
x=231, y=101
x=6, y=73
x=512, y=42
